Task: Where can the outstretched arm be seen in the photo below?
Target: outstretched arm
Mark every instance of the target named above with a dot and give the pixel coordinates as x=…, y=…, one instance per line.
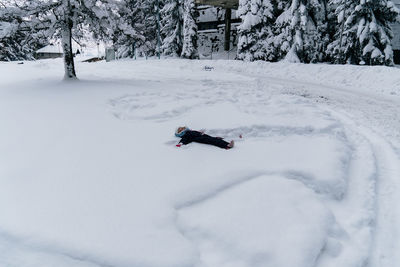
x=189, y=137
x=185, y=140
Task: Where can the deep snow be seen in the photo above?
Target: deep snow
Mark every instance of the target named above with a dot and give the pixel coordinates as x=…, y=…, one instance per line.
x=90, y=175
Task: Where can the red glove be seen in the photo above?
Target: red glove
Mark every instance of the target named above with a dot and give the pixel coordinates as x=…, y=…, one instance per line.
x=178, y=145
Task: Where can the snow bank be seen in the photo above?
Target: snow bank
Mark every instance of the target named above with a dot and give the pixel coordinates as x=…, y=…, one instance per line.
x=363, y=79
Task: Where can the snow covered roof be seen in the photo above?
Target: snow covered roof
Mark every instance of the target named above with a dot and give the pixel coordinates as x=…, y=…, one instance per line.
x=221, y=3
x=50, y=49
x=88, y=48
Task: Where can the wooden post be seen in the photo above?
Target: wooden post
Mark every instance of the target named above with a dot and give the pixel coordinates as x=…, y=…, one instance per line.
x=228, y=14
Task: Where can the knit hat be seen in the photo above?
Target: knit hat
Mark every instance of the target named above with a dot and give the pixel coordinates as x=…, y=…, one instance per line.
x=182, y=132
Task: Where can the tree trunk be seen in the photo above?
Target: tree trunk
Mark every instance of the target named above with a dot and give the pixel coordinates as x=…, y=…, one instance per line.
x=66, y=41
x=228, y=14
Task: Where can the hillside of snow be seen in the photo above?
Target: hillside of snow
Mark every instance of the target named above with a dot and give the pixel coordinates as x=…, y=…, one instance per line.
x=90, y=174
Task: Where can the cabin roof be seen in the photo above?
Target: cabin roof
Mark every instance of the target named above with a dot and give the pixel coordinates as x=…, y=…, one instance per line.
x=50, y=49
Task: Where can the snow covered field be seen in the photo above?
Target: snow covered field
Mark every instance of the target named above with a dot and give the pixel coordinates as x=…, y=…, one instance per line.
x=90, y=175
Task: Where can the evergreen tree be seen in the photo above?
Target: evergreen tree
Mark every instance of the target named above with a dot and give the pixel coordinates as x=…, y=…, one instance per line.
x=190, y=14
x=65, y=19
x=256, y=32
x=152, y=9
x=301, y=30
x=17, y=41
x=171, y=28
x=130, y=27
x=364, y=34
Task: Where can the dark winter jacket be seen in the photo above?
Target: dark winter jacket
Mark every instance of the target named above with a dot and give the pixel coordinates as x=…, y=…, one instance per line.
x=198, y=137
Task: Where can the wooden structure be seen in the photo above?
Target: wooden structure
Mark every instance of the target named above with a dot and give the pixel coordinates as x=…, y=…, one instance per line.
x=228, y=5
x=396, y=38
x=110, y=54
x=49, y=51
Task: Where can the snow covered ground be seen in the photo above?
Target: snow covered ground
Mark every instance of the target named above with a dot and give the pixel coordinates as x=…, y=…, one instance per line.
x=90, y=175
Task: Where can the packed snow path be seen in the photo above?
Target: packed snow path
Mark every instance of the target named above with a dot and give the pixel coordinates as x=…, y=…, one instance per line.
x=90, y=176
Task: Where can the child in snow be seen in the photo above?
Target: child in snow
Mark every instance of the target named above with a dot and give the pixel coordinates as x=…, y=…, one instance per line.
x=187, y=136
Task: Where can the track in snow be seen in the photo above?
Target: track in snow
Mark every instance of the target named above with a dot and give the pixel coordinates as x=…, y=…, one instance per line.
x=376, y=119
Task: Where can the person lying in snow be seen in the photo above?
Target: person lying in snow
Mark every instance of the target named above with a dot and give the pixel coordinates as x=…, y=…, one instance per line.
x=187, y=136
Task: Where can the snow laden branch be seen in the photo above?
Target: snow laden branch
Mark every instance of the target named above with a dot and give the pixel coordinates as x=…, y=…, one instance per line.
x=292, y=30
x=179, y=29
x=47, y=20
x=364, y=34
x=337, y=31
x=190, y=14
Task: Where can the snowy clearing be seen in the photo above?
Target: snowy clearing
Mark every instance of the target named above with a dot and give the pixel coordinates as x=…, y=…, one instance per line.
x=90, y=175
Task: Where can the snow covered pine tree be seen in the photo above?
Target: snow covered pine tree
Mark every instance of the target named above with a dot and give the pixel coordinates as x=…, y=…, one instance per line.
x=63, y=19
x=171, y=28
x=129, y=27
x=301, y=30
x=17, y=41
x=190, y=14
x=256, y=32
x=364, y=34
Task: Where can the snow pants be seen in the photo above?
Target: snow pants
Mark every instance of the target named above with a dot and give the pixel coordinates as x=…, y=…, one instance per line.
x=209, y=140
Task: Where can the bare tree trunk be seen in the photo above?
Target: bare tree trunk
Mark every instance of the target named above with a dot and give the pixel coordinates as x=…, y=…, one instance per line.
x=66, y=41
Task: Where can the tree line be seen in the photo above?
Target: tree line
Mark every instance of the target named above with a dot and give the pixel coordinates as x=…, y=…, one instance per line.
x=336, y=31
x=309, y=31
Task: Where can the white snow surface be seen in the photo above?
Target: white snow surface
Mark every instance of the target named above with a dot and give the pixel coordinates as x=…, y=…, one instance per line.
x=90, y=175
